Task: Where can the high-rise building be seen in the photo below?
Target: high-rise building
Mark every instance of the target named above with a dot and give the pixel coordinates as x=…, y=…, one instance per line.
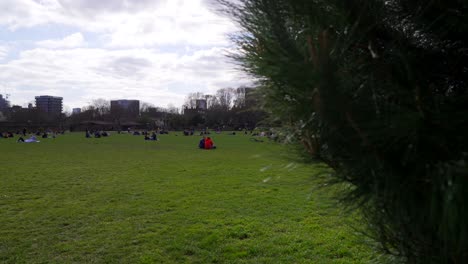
x=201, y=104
x=4, y=103
x=51, y=105
x=125, y=108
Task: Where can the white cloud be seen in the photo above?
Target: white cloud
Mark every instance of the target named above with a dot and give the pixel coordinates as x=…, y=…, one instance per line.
x=173, y=22
x=149, y=75
x=138, y=23
x=72, y=41
x=3, y=52
x=153, y=50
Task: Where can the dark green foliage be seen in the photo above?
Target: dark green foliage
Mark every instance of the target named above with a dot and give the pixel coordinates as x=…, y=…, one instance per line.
x=377, y=90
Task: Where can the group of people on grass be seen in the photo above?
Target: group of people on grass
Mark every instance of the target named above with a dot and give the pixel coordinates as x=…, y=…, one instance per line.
x=153, y=136
x=97, y=134
x=47, y=133
x=206, y=143
x=7, y=135
x=42, y=133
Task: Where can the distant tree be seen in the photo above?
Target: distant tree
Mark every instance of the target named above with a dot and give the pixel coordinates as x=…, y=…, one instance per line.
x=225, y=98
x=240, y=97
x=172, y=109
x=101, y=106
x=191, y=100
x=28, y=116
x=67, y=111
x=211, y=101
x=145, y=107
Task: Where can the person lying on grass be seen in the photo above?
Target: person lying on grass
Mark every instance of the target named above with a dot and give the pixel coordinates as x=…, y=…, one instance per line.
x=32, y=139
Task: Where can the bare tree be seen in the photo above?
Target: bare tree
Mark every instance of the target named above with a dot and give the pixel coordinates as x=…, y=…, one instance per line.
x=172, y=109
x=191, y=100
x=101, y=106
x=145, y=106
x=225, y=97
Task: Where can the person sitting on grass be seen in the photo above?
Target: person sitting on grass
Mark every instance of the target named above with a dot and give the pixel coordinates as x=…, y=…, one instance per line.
x=209, y=143
x=201, y=144
x=154, y=136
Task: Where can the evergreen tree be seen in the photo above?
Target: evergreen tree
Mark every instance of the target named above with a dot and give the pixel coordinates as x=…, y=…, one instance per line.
x=378, y=91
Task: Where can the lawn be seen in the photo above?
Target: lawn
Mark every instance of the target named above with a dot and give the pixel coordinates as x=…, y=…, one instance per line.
x=123, y=200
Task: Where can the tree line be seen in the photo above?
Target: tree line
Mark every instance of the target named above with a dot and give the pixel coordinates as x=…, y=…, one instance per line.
x=228, y=108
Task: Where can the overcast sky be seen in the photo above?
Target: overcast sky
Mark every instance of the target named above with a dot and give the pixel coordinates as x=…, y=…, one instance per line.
x=156, y=51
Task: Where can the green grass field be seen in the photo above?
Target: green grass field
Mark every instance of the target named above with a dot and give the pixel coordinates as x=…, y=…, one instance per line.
x=123, y=200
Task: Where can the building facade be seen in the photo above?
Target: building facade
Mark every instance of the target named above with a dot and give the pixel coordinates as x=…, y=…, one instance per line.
x=76, y=111
x=4, y=103
x=201, y=104
x=125, y=108
x=52, y=105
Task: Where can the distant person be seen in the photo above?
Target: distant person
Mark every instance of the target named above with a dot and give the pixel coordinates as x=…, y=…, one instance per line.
x=147, y=138
x=32, y=139
x=44, y=135
x=24, y=131
x=154, y=136
x=88, y=135
x=209, y=144
x=201, y=144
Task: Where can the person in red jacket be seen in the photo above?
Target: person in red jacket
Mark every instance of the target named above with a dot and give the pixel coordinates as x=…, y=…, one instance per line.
x=209, y=143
